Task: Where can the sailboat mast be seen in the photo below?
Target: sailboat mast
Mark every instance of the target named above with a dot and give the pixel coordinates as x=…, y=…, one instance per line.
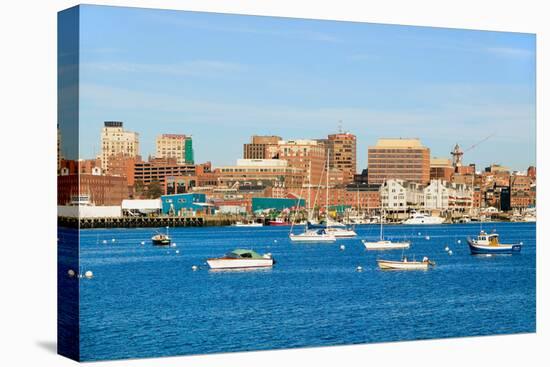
x=328, y=160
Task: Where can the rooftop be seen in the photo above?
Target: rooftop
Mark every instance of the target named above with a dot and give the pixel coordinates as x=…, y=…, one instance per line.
x=399, y=143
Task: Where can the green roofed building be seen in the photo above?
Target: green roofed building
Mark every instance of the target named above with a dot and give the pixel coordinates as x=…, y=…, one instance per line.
x=276, y=203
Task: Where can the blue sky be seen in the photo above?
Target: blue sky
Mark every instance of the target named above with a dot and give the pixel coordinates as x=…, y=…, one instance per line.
x=223, y=78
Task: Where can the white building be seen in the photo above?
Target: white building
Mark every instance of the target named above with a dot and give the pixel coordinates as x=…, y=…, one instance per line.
x=117, y=141
x=400, y=195
x=436, y=195
x=442, y=195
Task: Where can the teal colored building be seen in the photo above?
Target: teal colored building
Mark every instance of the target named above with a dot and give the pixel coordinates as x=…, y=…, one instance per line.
x=276, y=203
x=185, y=204
x=188, y=148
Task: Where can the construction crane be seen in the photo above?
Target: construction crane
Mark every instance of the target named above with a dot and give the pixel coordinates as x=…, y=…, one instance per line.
x=458, y=153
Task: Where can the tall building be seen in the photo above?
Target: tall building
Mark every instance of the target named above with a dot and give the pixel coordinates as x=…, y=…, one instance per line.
x=175, y=146
x=343, y=156
x=258, y=146
x=405, y=159
x=441, y=169
x=117, y=141
x=306, y=155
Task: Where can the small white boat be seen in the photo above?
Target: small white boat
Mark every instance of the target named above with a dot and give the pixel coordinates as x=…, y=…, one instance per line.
x=529, y=218
x=418, y=218
x=247, y=224
x=385, y=245
x=241, y=259
x=313, y=236
x=340, y=232
x=405, y=264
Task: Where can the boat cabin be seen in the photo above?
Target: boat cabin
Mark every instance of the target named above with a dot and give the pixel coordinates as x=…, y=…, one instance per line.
x=487, y=239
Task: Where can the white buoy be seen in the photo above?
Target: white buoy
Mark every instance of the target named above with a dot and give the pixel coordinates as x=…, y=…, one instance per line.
x=104, y=242
x=428, y=238
x=342, y=247
x=177, y=251
x=359, y=269
x=143, y=242
x=113, y=240
x=451, y=252
x=459, y=241
x=420, y=234
x=71, y=273
x=275, y=241
x=89, y=274
x=194, y=268
x=446, y=248
x=521, y=243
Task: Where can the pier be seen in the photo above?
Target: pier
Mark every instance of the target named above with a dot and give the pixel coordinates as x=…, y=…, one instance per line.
x=137, y=222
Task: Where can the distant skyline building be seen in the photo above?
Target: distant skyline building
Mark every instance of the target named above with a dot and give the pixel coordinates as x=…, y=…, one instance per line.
x=343, y=154
x=405, y=159
x=117, y=141
x=258, y=146
x=305, y=154
x=441, y=168
x=176, y=146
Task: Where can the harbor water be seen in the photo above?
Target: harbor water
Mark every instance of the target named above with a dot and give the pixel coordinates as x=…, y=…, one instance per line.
x=148, y=301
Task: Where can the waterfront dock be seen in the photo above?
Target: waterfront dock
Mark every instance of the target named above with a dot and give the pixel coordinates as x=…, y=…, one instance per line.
x=138, y=222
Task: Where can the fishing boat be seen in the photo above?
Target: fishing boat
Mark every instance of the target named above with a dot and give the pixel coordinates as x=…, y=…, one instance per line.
x=383, y=244
x=489, y=244
x=241, y=259
x=419, y=218
x=161, y=240
x=405, y=264
x=313, y=236
x=279, y=222
x=247, y=224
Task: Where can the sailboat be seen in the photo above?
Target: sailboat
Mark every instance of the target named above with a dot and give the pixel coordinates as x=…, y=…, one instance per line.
x=316, y=235
x=337, y=229
x=383, y=244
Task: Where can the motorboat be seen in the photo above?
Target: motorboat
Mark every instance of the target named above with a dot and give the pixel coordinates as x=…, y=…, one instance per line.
x=419, y=218
x=405, y=264
x=241, y=259
x=488, y=243
x=247, y=224
x=279, y=222
x=161, y=240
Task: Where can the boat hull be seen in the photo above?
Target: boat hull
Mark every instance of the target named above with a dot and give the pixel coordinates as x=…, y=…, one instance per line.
x=248, y=225
x=161, y=242
x=239, y=263
x=272, y=223
x=385, y=245
x=400, y=265
x=476, y=249
x=312, y=239
x=425, y=221
x=342, y=233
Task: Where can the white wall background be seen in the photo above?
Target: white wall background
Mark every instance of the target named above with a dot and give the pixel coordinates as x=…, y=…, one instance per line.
x=28, y=255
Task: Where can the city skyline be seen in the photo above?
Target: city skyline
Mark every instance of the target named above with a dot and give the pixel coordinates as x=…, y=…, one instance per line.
x=189, y=73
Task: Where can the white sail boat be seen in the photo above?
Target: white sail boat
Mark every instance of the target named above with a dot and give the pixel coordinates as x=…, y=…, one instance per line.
x=383, y=244
x=338, y=230
x=318, y=235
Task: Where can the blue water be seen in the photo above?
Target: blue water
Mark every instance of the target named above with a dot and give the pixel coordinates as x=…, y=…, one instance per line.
x=146, y=301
